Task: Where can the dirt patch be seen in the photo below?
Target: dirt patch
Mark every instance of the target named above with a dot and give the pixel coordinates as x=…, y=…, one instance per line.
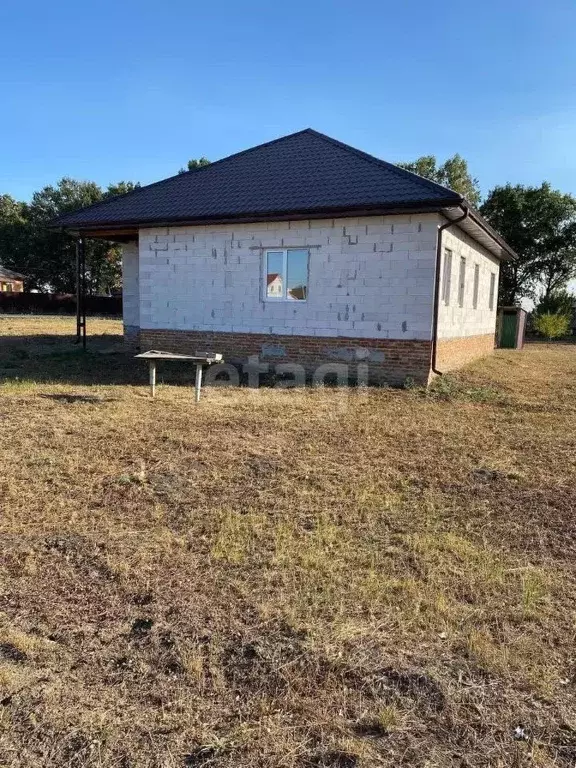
x=333, y=759
x=9, y=652
x=82, y=553
x=417, y=685
x=267, y=662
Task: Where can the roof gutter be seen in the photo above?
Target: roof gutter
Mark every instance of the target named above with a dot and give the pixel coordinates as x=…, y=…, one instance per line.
x=479, y=221
x=437, y=275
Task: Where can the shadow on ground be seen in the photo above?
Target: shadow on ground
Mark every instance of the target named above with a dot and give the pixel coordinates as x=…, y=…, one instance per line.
x=58, y=359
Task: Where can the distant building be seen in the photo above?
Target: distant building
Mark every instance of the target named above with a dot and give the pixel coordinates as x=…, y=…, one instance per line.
x=11, y=282
x=274, y=285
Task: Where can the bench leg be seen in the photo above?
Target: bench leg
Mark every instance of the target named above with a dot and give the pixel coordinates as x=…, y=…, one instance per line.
x=198, y=384
x=152, y=377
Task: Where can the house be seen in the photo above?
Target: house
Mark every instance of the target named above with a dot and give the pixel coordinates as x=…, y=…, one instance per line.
x=305, y=250
x=274, y=283
x=11, y=282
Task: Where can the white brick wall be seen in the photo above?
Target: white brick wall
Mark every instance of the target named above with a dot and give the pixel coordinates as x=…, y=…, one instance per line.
x=370, y=277
x=455, y=321
x=130, y=287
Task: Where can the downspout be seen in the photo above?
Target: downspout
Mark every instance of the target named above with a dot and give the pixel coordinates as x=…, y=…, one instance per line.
x=441, y=229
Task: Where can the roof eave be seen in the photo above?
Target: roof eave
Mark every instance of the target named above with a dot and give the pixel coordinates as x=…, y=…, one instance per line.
x=449, y=208
x=476, y=226
x=417, y=206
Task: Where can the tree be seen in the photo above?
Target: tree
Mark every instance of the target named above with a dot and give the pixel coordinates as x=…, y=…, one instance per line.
x=558, y=303
x=453, y=173
x=121, y=188
x=51, y=263
x=51, y=258
x=11, y=211
x=13, y=232
x=48, y=257
x=193, y=165
x=540, y=225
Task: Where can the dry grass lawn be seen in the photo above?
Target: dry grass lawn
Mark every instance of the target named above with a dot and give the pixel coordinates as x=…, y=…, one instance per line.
x=284, y=578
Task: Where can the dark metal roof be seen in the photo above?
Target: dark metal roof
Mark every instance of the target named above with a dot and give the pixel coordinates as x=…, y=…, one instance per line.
x=304, y=171
x=303, y=174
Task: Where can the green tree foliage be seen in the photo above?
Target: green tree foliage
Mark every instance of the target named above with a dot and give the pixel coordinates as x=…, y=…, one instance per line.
x=121, y=188
x=13, y=232
x=540, y=224
x=552, y=325
x=48, y=257
x=453, y=173
x=558, y=303
x=193, y=165
x=51, y=260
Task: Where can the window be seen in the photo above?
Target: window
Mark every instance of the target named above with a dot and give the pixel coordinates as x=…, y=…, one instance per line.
x=492, y=290
x=286, y=275
x=476, y=284
x=461, y=281
x=447, y=276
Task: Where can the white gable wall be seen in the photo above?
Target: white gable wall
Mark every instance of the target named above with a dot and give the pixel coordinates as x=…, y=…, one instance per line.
x=455, y=321
x=370, y=277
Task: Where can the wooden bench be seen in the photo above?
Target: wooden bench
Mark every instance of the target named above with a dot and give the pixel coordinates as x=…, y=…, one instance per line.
x=208, y=358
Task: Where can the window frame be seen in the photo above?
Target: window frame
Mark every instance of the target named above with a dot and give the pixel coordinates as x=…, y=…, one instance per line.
x=284, y=252
x=492, y=291
x=461, y=281
x=447, y=277
x=476, y=287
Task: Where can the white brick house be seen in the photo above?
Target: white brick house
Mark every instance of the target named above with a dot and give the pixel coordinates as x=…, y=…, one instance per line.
x=306, y=250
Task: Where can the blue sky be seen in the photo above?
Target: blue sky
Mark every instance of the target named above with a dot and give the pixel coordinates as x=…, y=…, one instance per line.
x=130, y=90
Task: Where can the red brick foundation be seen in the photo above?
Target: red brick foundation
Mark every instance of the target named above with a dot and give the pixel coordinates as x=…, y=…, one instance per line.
x=390, y=361
x=454, y=353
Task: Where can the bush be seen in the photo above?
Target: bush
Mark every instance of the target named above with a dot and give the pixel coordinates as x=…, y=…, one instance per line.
x=552, y=325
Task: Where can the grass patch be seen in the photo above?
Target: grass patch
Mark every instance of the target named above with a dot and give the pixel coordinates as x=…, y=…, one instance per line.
x=453, y=387
x=283, y=578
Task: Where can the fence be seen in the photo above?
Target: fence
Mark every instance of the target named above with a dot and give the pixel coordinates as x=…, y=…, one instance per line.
x=57, y=304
